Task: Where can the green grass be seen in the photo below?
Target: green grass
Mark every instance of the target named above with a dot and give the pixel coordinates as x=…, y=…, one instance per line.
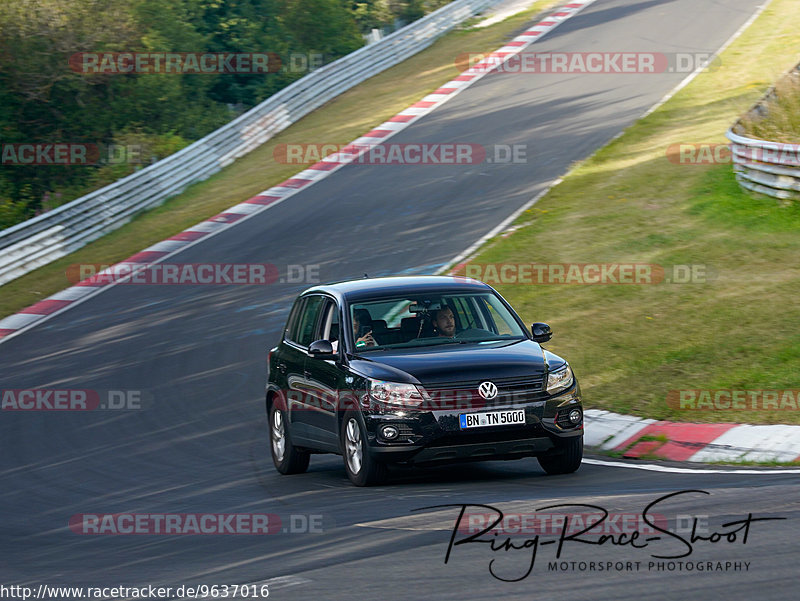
x=338, y=122
x=631, y=345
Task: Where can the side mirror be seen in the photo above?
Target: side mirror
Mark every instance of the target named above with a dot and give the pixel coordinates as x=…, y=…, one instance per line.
x=321, y=349
x=541, y=332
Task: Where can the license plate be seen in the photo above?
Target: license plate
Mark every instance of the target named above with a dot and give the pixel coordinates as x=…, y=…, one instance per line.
x=492, y=418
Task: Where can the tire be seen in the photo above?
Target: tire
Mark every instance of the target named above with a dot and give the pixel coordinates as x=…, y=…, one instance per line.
x=361, y=467
x=565, y=459
x=287, y=458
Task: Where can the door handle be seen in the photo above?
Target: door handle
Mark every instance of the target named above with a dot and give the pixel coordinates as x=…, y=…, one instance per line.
x=307, y=374
x=282, y=368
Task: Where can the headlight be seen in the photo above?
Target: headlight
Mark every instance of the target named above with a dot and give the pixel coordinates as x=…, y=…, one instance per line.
x=403, y=396
x=558, y=380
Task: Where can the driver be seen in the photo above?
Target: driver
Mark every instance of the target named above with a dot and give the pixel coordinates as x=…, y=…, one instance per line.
x=444, y=323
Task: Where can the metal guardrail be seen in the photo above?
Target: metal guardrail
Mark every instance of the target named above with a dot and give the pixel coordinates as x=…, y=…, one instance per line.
x=771, y=168
x=54, y=234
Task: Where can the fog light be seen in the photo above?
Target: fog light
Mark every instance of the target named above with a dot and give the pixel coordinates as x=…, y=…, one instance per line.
x=389, y=432
x=575, y=416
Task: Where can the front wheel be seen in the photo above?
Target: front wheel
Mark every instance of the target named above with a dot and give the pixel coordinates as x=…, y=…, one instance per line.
x=287, y=458
x=565, y=459
x=361, y=467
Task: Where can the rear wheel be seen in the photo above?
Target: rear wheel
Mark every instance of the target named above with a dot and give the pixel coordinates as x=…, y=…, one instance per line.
x=361, y=467
x=287, y=458
x=565, y=459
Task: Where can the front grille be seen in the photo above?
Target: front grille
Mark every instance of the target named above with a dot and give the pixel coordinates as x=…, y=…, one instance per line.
x=510, y=391
x=513, y=383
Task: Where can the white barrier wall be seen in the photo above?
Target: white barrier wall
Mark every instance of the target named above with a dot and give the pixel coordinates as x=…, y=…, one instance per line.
x=771, y=168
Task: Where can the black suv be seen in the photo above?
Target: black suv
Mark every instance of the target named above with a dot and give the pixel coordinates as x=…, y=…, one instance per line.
x=421, y=371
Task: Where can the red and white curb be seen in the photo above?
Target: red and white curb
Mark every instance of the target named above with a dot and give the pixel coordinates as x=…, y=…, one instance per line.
x=678, y=441
x=64, y=300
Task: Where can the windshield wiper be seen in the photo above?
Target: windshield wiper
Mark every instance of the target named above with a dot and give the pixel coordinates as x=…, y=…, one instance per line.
x=450, y=341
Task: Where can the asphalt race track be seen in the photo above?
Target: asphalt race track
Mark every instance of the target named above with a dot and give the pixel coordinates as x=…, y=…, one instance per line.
x=197, y=354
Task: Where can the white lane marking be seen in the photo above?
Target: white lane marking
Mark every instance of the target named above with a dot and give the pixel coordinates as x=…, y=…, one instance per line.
x=550, y=185
x=687, y=470
x=71, y=294
x=700, y=68
x=403, y=124
x=283, y=192
x=205, y=226
x=310, y=174
x=165, y=246
x=413, y=111
x=19, y=321
x=243, y=208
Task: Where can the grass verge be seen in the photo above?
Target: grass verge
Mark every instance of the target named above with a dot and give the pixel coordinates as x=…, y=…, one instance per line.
x=340, y=121
x=631, y=345
x=782, y=121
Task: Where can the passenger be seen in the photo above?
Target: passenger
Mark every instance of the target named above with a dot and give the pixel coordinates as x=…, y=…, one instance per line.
x=360, y=317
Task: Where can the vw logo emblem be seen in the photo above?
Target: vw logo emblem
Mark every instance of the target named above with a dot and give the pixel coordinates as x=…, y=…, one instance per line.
x=487, y=390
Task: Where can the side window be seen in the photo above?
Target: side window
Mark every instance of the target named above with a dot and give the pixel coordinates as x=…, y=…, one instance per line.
x=500, y=326
x=293, y=323
x=308, y=320
x=330, y=322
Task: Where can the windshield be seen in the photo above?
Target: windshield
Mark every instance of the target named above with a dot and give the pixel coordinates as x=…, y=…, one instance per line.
x=428, y=320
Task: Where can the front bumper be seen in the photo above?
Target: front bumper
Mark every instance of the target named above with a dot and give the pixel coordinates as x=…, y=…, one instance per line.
x=435, y=436
x=506, y=449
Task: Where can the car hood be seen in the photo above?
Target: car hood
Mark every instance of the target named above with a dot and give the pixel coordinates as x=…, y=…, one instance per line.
x=456, y=363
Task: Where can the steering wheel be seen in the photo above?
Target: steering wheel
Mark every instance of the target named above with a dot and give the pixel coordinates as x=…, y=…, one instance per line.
x=473, y=333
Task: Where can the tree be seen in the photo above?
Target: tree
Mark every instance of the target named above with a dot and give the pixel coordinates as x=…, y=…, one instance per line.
x=325, y=26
